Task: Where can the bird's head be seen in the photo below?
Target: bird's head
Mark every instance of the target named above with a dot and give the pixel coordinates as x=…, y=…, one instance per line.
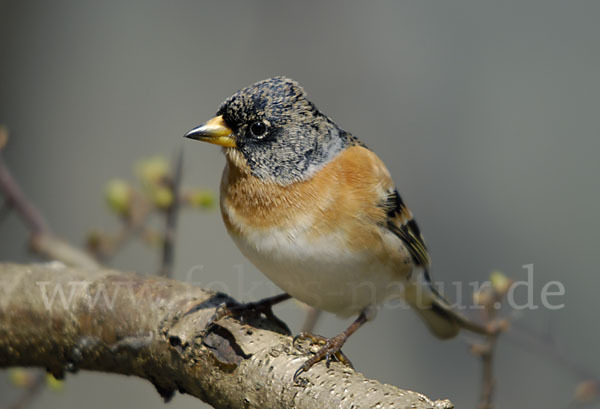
x=276, y=132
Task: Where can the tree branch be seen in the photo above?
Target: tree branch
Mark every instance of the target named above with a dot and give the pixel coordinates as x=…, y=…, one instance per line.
x=152, y=327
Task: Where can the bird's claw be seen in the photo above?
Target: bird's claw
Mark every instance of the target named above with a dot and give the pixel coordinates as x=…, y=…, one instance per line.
x=314, y=339
x=330, y=351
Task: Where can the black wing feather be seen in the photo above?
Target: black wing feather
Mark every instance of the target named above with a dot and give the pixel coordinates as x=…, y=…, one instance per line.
x=401, y=223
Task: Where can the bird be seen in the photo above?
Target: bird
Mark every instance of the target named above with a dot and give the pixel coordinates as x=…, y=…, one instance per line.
x=316, y=211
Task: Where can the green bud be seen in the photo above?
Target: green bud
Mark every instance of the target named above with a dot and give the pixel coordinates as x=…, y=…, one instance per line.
x=204, y=199
x=53, y=383
x=118, y=195
x=500, y=282
x=152, y=171
x=20, y=377
x=161, y=196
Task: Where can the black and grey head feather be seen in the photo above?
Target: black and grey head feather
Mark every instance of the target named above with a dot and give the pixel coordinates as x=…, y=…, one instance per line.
x=281, y=134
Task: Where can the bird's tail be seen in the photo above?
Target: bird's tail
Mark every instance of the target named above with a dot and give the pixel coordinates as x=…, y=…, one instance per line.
x=443, y=320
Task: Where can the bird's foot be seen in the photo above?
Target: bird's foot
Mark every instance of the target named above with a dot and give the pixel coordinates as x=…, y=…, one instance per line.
x=262, y=307
x=330, y=351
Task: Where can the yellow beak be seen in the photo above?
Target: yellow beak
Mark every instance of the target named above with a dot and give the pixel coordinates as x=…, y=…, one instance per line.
x=214, y=131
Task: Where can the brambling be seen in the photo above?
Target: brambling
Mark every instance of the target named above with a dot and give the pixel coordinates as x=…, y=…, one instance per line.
x=317, y=212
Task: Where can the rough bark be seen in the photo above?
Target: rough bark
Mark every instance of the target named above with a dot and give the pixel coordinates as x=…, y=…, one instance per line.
x=152, y=327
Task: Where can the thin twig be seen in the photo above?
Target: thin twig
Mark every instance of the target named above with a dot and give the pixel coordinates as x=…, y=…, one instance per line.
x=168, y=253
x=488, y=380
x=55, y=248
x=537, y=344
x=26, y=210
x=130, y=229
x=3, y=136
x=486, y=350
x=42, y=241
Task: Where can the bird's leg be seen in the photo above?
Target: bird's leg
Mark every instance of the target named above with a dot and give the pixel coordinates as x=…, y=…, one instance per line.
x=322, y=341
x=263, y=306
x=331, y=348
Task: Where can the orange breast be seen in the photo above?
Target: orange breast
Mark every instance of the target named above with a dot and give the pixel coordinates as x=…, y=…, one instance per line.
x=342, y=197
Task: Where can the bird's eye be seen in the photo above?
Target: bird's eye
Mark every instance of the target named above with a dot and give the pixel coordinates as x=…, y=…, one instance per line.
x=258, y=129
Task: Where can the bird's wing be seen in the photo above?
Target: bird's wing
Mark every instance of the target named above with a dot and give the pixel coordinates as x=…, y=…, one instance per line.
x=400, y=221
x=365, y=171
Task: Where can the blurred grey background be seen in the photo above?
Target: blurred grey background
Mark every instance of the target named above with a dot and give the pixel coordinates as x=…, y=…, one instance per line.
x=486, y=113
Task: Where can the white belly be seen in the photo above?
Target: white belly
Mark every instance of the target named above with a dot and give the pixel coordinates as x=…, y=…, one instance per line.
x=322, y=273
